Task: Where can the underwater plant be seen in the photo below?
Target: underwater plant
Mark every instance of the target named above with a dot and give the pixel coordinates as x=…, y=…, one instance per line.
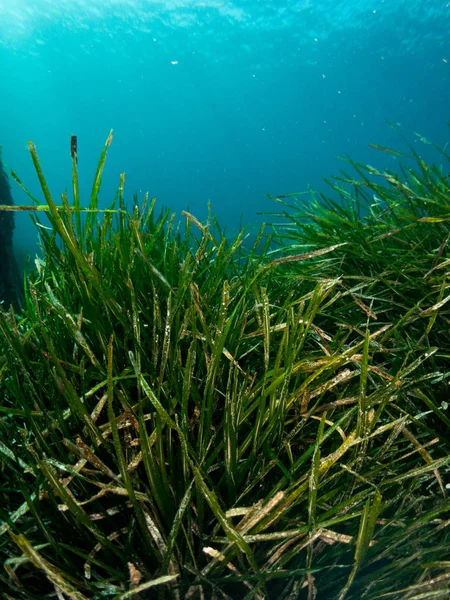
x=185, y=418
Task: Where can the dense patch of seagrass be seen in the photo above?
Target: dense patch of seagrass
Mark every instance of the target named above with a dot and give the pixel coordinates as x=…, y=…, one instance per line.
x=182, y=418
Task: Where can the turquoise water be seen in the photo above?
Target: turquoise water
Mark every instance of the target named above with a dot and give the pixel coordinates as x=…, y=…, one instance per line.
x=217, y=101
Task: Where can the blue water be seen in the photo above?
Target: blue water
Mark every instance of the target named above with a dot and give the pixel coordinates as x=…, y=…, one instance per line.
x=217, y=101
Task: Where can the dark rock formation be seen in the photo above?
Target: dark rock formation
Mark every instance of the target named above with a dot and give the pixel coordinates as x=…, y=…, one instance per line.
x=9, y=273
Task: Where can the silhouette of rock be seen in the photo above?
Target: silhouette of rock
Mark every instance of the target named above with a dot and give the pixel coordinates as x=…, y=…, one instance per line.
x=9, y=272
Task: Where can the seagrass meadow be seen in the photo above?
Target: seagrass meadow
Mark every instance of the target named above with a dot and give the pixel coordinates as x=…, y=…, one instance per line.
x=189, y=416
